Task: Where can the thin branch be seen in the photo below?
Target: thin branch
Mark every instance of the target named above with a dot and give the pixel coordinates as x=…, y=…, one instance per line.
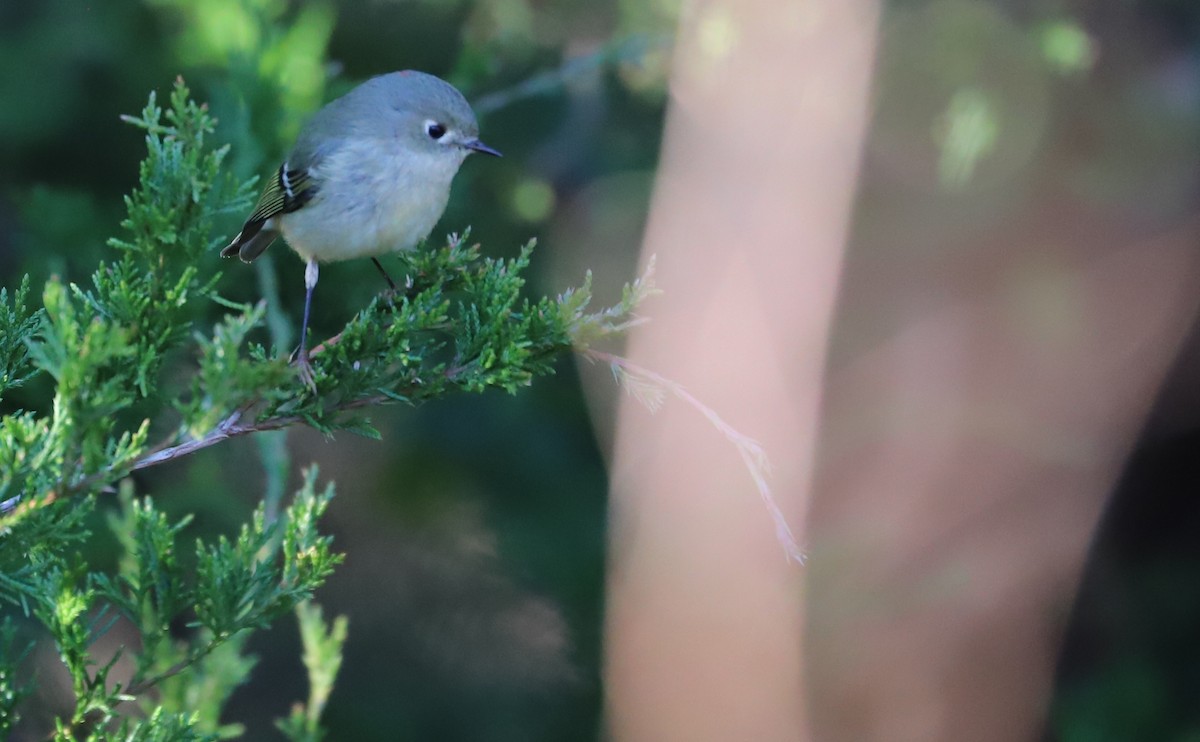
x=752, y=453
x=137, y=687
x=631, y=48
x=231, y=428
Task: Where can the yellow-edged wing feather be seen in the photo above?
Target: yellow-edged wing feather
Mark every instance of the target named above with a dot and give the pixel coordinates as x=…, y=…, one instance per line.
x=287, y=191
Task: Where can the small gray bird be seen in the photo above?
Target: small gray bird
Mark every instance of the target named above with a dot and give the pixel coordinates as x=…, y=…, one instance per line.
x=370, y=174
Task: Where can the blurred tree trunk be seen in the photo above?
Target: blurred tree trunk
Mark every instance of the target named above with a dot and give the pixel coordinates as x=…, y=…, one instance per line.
x=977, y=413
x=749, y=220
x=965, y=463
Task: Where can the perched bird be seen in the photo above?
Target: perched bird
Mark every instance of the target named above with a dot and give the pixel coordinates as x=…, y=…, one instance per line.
x=369, y=174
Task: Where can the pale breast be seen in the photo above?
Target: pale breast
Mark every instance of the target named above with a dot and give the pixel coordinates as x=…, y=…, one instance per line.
x=372, y=200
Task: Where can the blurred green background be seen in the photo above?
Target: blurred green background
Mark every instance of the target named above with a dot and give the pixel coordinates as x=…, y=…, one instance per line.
x=474, y=532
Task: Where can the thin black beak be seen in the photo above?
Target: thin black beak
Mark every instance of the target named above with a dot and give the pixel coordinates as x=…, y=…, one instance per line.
x=478, y=146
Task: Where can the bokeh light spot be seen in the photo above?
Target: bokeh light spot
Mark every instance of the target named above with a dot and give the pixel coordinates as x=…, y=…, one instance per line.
x=717, y=35
x=966, y=133
x=1067, y=48
x=533, y=199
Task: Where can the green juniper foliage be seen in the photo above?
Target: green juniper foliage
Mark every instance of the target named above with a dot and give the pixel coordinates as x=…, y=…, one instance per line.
x=113, y=349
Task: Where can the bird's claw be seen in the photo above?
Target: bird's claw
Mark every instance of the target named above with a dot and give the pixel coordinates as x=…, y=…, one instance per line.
x=304, y=371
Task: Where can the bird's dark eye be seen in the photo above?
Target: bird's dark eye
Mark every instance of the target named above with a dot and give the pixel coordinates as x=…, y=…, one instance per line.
x=435, y=130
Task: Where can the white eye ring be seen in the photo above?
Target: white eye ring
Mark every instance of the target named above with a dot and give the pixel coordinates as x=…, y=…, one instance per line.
x=435, y=130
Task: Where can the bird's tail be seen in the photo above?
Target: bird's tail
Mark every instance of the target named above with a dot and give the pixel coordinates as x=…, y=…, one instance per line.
x=251, y=241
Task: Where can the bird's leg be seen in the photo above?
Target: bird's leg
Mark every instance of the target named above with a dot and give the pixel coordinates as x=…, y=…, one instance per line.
x=391, y=284
x=302, y=365
x=384, y=273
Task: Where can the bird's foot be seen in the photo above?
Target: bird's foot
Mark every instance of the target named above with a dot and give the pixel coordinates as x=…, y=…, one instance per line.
x=397, y=293
x=304, y=369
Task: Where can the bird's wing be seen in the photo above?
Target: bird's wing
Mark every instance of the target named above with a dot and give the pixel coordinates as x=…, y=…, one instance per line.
x=289, y=189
